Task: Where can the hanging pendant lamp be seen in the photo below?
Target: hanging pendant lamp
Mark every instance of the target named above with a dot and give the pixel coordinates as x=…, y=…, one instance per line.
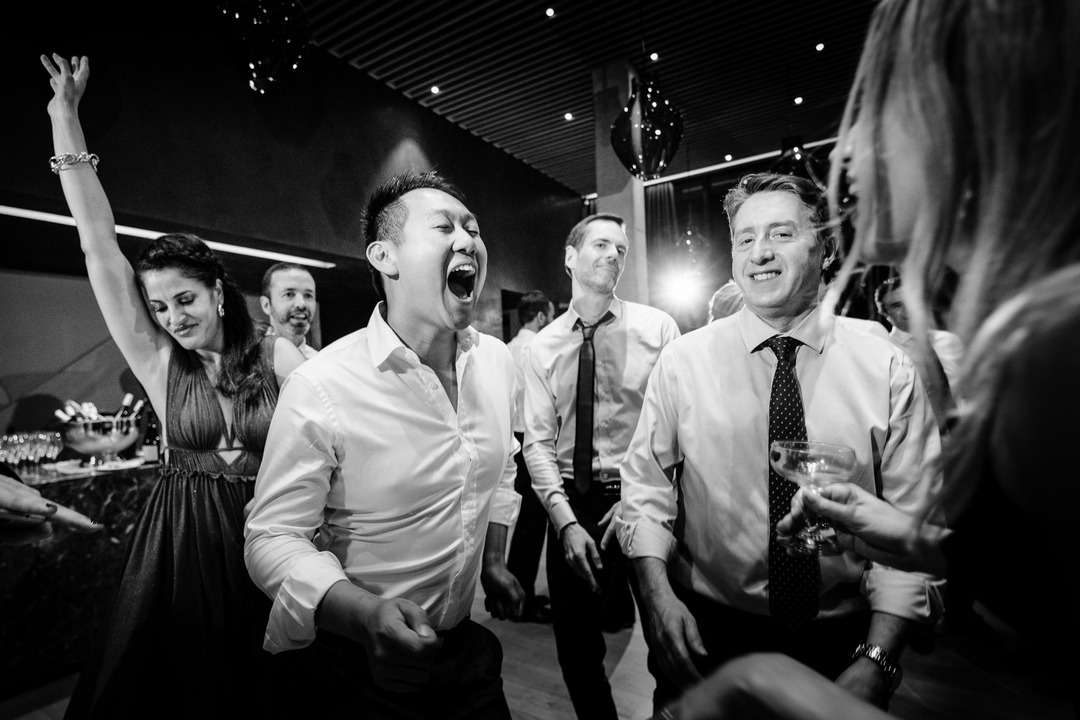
x=646, y=134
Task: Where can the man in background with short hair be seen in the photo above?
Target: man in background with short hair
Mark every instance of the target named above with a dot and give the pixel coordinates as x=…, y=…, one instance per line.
x=534, y=311
x=937, y=360
x=574, y=462
x=288, y=299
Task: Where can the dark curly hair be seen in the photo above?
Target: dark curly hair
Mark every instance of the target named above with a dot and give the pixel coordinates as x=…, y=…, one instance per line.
x=190, y=256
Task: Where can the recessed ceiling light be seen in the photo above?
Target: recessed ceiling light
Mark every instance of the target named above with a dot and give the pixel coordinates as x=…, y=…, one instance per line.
x=727, y=158
x=569, y=116
x=819, y=47
x=798, y=100
x=434, y=89
x=654, y=57
x=550, y=12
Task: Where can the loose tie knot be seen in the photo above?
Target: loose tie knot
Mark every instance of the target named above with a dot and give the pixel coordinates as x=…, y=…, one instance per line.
x=587, y=331
x=784, y=347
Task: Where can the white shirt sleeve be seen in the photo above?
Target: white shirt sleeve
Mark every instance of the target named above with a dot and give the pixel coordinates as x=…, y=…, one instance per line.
x=541, y=431
x=649, y=505
x=290, y=496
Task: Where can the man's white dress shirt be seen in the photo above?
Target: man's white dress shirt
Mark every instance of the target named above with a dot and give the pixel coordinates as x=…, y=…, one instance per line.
x=707, y=405
x=517, y=347
x=627, y=347
x=369, y=475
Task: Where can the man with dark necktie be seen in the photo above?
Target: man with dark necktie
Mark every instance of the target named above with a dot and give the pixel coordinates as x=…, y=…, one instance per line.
x=715, y=582
x=585, y=377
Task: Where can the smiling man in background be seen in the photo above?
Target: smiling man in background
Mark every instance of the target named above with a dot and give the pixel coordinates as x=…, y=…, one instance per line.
x=387, y=486
x=288, y=299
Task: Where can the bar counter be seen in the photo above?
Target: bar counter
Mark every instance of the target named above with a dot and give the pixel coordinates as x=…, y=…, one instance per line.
x=55, y=594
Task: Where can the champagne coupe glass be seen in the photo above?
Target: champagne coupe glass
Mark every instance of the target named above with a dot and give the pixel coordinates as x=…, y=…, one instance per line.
x=812, y=466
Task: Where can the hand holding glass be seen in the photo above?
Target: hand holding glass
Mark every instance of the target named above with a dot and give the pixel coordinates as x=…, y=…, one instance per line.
x=812, y=466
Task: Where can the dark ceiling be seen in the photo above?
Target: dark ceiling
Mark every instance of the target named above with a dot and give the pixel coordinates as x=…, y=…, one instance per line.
x=508, y=73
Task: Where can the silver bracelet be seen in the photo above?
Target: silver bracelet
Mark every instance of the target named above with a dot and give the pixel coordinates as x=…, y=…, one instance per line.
x=63, y=160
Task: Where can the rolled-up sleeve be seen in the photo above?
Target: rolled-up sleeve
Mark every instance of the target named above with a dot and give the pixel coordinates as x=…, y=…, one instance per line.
x=649, y=505
x=541, y=432
x=910, y=479
x=290, y=497
x=506, y=502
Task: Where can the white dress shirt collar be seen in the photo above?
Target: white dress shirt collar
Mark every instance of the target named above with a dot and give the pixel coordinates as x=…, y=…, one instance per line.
x=616, y=309
x=810, y=331
x=383, y=342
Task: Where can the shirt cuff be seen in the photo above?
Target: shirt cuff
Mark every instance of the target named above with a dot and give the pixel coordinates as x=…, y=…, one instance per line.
x=913, y=596
x=505, y=506
x=292, y=618
x=639, y=539
x=561, y=515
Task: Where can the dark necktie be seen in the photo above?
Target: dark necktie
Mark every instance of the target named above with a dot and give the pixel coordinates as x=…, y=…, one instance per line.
x=586, y=389
x=794, y=581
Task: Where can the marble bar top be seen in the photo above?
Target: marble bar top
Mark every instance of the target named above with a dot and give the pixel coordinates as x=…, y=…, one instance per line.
x=56, y=593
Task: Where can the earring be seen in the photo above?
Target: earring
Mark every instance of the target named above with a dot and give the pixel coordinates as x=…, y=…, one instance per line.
x=966, y=200
x=221, y=309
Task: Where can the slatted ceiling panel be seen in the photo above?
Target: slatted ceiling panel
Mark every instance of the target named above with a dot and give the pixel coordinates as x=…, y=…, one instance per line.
x=508, y=73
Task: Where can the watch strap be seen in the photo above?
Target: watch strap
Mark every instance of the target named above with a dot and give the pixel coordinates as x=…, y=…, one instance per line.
x=883, y=660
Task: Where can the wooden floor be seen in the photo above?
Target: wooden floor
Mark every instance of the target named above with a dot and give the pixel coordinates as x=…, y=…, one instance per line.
x=963, y=678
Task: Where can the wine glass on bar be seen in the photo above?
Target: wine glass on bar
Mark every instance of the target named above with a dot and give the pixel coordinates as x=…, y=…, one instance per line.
x=812, y=466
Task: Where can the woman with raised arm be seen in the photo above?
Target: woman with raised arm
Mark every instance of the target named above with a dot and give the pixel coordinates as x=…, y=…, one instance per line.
x=185, y=635
x=960, y=146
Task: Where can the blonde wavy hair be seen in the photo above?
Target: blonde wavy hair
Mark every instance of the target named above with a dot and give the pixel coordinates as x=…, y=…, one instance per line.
x=992, y=90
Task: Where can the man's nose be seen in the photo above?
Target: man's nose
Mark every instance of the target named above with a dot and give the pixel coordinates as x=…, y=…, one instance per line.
x=464, y=242
x=762, y=250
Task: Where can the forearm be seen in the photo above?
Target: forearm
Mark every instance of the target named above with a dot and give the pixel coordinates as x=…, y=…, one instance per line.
x=926, y=550
x=653, y=582
x=888, y=631
x=771, y=686
x=547, y=482
x=495, y=546
x=345, y=609
x=83, y=191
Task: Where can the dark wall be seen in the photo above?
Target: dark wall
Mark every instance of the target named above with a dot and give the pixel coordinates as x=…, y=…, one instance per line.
x=185, y=144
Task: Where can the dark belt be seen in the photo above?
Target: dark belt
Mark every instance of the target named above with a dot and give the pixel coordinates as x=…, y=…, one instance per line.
x=606, y=482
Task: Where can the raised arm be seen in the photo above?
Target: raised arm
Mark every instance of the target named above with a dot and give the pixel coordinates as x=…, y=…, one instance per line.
x=143, y=343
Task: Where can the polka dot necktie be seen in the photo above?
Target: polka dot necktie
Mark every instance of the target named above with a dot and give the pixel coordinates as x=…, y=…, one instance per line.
x=586, y=388
x=794, y=581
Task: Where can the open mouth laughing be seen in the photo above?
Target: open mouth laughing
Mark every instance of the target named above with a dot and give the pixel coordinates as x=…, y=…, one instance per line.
x=461, y=281
x=764, y=276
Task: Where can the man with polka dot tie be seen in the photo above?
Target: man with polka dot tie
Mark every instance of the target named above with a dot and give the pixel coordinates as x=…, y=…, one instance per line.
x=700, y=501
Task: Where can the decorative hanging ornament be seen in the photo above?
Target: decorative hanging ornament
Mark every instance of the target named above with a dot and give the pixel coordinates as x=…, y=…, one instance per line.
x=646, y=134
x=274, y=34
x=796, y=160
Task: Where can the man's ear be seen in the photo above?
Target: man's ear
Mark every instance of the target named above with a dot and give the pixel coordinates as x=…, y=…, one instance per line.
x=828, y=255
x=381, y=257
x=570, y=259
x=264, y=303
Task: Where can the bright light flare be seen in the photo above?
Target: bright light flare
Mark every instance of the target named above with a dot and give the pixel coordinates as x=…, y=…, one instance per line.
x=682, y=289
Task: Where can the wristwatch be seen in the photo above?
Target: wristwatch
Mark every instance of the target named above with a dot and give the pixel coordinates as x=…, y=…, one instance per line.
x=893, y=672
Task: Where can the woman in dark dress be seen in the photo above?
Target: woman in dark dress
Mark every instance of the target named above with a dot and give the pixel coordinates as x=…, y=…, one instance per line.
x=961, y=148
x=184, y=637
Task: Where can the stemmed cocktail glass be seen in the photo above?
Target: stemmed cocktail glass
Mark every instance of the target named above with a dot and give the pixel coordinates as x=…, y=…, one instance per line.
x=812, y=465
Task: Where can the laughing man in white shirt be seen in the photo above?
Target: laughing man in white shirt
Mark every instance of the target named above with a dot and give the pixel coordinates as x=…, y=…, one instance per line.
x=389, y=458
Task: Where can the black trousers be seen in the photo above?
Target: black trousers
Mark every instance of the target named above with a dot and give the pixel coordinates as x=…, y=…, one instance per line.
x=332, y=678
x=527, y=544
x=824, y=645
x=577, y=612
